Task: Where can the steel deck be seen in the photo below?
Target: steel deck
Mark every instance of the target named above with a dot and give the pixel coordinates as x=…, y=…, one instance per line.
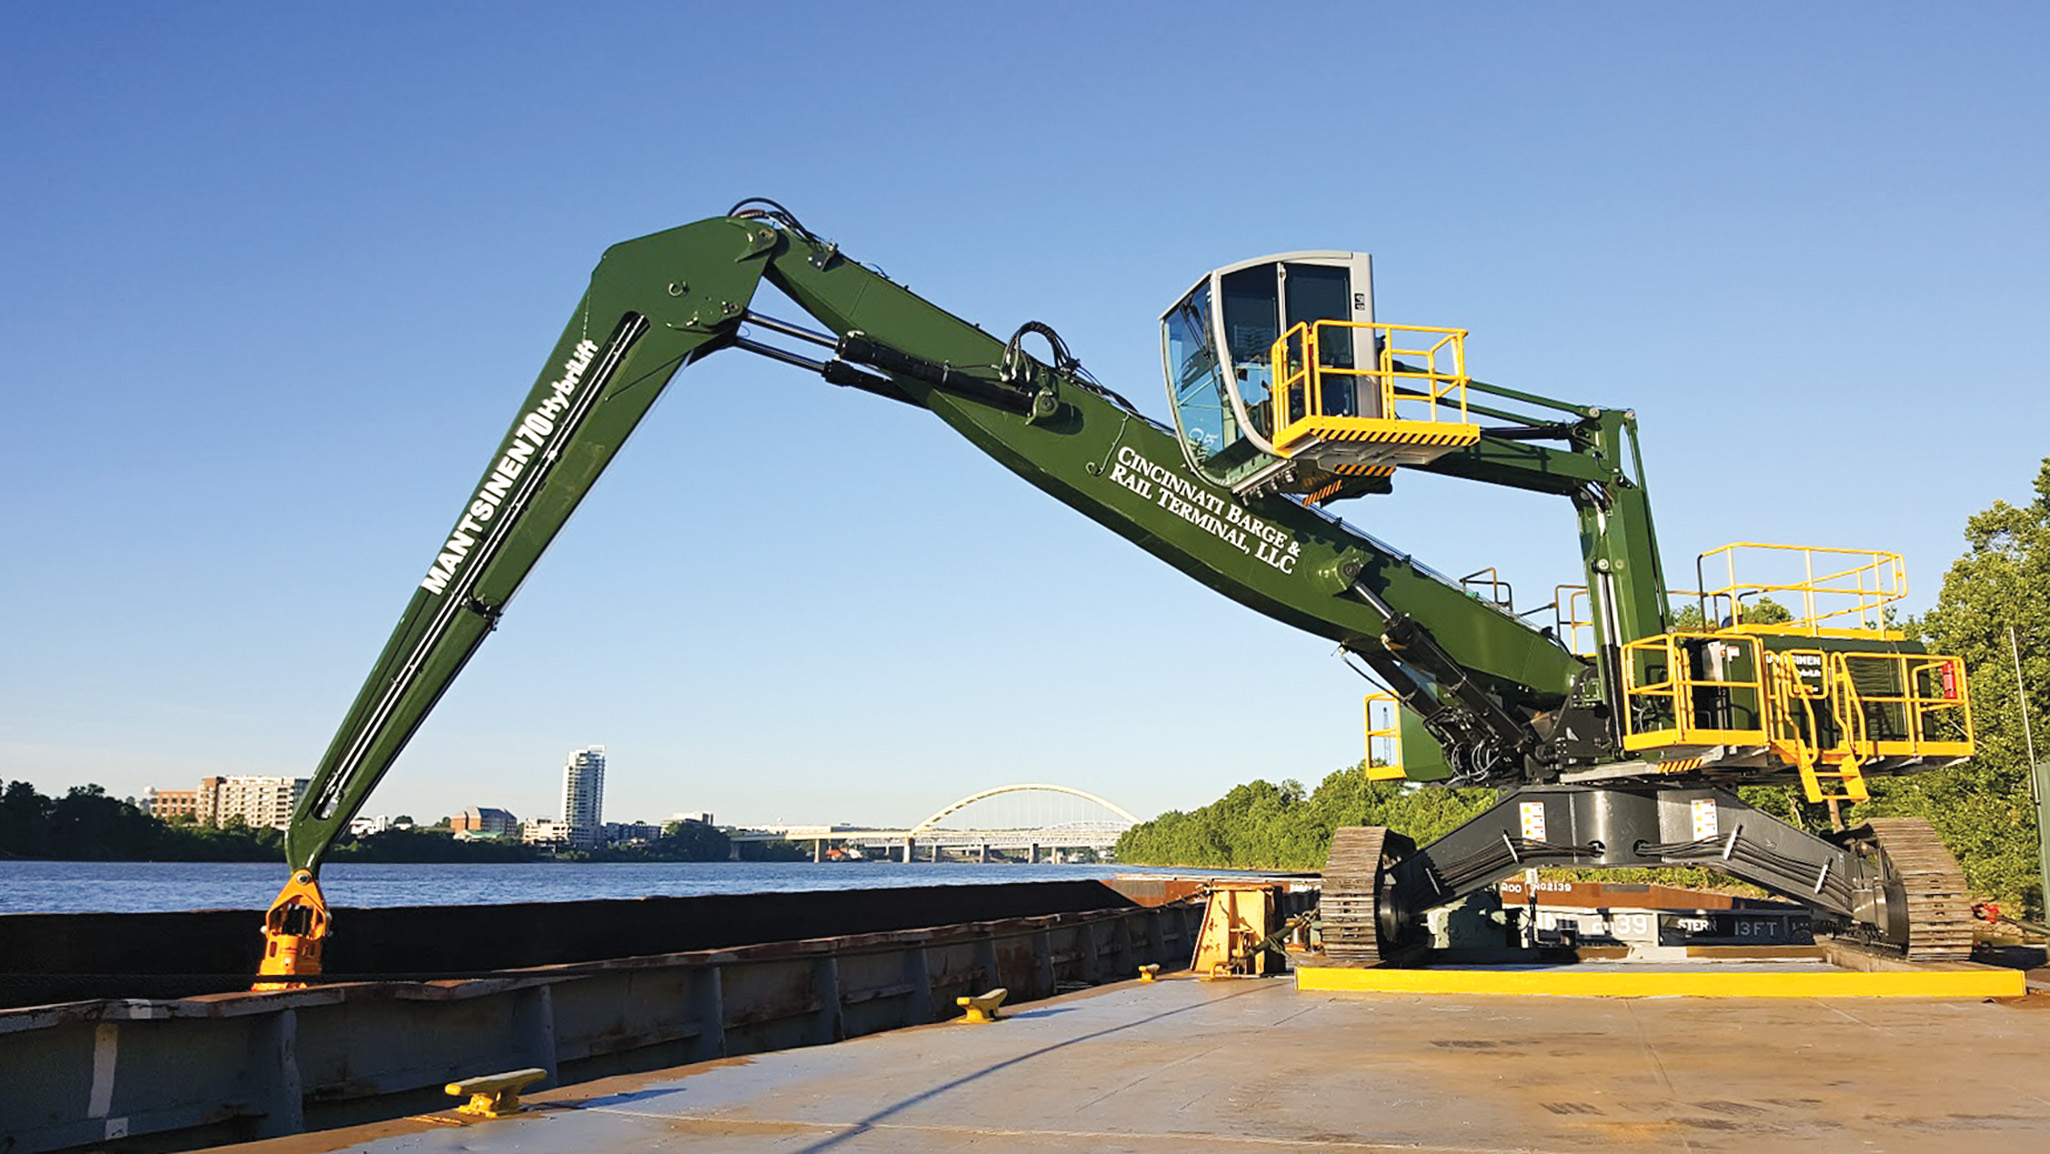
x=1195, y=1067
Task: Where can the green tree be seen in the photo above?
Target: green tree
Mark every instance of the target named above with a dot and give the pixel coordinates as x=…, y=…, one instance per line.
x=1982, y=808
x=1764, y=611
x=1261, y=825
x=24, y=821
x=694, y=841
x=429, y=845
x=86, y=823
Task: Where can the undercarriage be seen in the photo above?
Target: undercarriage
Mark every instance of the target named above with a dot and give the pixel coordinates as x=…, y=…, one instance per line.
x=1889, y=883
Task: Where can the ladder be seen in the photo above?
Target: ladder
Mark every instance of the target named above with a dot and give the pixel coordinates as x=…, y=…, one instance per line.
x=1831, y=774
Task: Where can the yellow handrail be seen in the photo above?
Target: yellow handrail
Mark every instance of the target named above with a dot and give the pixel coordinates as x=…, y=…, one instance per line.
x=1299, y=373
x=1390, y=768
x=1857, y=590
x=1874, y=705
x=1569, y=602
x=1930, y=689
x=1677, y=687
x=1786, y=736
x=1566, y=620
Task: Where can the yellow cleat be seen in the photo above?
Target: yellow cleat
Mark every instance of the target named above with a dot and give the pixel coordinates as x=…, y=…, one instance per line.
x=495, y=1095
x=983, y=1007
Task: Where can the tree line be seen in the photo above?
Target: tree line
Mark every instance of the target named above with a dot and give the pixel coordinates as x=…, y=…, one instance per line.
x=1993, y=612
x=86, y=824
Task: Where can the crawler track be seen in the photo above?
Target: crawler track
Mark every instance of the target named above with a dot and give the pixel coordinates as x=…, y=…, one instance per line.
x=1939, y=905
x=1350, y=907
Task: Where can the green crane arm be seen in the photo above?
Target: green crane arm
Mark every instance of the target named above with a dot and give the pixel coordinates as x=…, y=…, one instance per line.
x=660, y=302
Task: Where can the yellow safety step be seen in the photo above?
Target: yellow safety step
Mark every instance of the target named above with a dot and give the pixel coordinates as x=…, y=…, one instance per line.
x=1816, y=777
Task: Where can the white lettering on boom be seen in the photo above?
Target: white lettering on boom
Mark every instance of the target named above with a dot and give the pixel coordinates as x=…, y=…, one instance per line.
x=533, y=430
x=1205, y=508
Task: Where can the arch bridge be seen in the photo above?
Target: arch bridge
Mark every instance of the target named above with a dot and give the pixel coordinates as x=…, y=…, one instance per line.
x=1027, y=838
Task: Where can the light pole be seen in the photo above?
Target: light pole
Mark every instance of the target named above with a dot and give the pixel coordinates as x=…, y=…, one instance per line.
x=2039, y=772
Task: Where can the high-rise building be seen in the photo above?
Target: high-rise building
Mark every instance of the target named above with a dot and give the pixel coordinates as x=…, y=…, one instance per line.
x=259, y=801
x=583, y=795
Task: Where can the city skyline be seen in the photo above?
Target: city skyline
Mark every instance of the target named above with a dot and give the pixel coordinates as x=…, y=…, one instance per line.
x=172, y=802
x=482, y=816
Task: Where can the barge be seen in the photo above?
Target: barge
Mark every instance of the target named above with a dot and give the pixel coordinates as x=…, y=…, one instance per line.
x=139, y=1031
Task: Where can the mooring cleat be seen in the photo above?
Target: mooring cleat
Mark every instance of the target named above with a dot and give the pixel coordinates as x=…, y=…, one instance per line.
x=293, y=933
x=983, y=1007
x=1149, y=972
x=495, y=1095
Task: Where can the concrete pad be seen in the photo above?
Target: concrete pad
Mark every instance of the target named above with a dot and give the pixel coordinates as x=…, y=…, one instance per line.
x=1237, y=1067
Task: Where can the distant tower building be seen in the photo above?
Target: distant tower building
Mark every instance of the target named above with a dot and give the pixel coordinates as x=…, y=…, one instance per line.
x=583, y=795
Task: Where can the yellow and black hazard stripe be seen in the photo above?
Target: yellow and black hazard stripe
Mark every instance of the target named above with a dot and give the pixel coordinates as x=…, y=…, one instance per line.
x=1395, y=434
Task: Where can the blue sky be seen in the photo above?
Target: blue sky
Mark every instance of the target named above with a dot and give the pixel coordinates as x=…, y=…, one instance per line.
x=277, y=277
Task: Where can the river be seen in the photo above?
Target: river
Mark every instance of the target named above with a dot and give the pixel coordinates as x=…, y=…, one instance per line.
x=145, y=887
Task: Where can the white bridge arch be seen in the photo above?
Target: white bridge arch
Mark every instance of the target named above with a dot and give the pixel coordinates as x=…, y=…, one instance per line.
x=1098, y=834
x=1024, y=787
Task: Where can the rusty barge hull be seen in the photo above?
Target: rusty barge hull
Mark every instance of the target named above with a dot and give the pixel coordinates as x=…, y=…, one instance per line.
x=582, y=990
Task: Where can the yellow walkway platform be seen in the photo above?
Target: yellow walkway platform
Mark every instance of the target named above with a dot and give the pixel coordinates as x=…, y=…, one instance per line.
x=1645, y=981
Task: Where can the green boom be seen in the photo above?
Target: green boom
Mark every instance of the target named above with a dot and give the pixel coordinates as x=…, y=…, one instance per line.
x=658, y=303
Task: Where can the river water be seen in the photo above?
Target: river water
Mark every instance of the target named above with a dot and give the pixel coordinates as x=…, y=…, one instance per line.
x=140, y=887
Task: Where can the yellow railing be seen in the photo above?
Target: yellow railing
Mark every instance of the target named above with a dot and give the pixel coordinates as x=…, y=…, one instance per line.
x=1301, y=376
x=1572, y=615
x=1499, y=592
x=1825, y=713
x=1840, y=591
x=1568, y=603
x=1384, y=761
x=1659, y=693
x=1827, y=772
x=1918, y=703
x=1793, y=723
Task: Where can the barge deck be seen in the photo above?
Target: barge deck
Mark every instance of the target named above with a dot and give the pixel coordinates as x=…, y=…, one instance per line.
x=1237, y=1067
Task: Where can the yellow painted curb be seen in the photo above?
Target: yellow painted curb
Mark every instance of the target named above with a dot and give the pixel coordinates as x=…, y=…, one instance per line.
x=1988, y=982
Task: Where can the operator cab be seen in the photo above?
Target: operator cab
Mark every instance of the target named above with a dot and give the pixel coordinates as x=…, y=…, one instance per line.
x=1280, y=380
